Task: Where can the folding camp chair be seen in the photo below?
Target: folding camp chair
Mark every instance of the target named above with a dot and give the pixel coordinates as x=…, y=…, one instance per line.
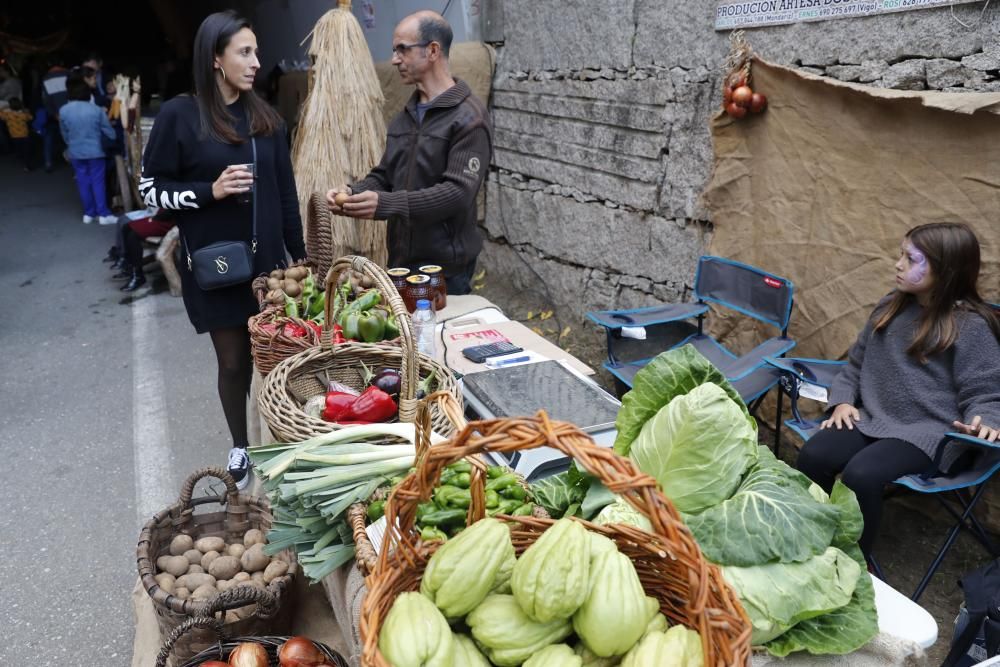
x=811, y=378
x=740, y=287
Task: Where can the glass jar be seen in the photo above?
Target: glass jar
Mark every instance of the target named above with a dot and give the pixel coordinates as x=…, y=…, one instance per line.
x=398, y=276
x=438, y=285
x=417, y=287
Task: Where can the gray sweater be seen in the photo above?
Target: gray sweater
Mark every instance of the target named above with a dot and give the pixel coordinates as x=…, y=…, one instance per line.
x=899, y=397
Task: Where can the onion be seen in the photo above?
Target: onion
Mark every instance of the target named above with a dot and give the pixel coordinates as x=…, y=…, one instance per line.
x=736, y=111
x=742, y=96
x=735, y=80
x=727, y=96
x=757, y=103
x=300, y=652
x=249, y=654
x=214, y=663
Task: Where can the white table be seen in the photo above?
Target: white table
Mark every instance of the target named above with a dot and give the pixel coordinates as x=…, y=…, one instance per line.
x=900, y=616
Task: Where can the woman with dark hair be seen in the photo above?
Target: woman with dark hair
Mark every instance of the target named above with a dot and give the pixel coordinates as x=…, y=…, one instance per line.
x=196, y=163
x=927, y=362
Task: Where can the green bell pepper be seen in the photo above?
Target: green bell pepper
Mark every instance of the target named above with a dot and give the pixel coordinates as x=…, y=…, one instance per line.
x=515, y=492
x=391, y=328
x=371, y=326
x=376, y=510
x=492, y=499
x=349, y=323
x=318, y=305
x=432, y=534
x=444, y=518
x=463, y=480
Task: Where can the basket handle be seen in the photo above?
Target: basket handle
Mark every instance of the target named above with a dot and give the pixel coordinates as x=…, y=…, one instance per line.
x=181, y=630
x=241, y=596
x=188, y=489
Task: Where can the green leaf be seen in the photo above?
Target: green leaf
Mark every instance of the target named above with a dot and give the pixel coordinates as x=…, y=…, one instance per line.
x=596, y=499
x=850, y=522
x=771, y=517
x=561, y=494
x=839, y=632
x=671, y=374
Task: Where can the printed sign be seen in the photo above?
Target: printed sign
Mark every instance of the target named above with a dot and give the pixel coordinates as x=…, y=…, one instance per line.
x=732, y=14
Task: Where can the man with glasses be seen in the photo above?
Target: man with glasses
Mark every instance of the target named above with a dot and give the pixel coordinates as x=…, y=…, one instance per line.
x=436, y=157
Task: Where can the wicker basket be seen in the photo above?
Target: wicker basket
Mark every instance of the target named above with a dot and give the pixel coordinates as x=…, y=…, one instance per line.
x=269, y=348
x=241, y=513
x=669, y=563
x=293, y=381
x=223, y=647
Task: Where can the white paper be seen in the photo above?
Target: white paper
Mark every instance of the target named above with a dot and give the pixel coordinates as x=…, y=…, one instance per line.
x=813, y=391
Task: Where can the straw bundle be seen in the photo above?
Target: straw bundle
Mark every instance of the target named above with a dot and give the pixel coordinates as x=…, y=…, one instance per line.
x=341, y=134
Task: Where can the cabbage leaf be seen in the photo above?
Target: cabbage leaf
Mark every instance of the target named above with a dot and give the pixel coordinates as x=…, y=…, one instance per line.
x=697, y=447
x=621, y=511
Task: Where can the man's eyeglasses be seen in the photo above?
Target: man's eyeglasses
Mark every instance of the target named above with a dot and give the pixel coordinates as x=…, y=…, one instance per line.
x=401, y=49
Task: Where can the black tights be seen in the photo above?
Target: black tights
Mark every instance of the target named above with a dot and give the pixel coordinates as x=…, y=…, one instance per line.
x=133, y=251
x=232, y=350
x=866, y=466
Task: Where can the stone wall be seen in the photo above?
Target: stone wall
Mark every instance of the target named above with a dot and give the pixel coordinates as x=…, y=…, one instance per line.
x=602, y=146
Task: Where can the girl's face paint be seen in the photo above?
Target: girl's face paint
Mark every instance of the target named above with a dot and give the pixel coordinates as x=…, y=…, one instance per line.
x=912, y=270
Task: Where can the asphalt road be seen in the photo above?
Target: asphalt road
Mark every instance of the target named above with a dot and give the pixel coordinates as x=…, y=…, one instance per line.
x=109, y=403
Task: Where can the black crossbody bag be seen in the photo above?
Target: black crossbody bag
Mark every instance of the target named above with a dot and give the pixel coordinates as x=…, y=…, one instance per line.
x=226, y=263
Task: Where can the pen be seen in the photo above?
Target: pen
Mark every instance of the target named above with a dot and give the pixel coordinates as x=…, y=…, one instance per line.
x=500, y=363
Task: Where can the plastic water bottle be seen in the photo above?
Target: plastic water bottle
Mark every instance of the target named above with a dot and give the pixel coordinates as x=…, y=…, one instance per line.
x=423, y=327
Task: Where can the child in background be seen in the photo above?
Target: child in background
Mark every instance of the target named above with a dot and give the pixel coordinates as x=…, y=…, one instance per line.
x=16, y=118
x=82, y=124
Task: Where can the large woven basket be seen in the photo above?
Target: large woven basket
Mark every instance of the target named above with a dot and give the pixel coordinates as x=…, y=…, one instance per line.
x=239, y=514
x=224, y=647
x=270, y=347
x=293, y=381
x=670, y=565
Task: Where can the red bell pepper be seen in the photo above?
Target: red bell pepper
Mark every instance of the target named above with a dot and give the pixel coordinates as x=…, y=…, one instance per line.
x=317, y=329
x=337, y=405
x=294, y=330
x=338, y=334
x=373, y=405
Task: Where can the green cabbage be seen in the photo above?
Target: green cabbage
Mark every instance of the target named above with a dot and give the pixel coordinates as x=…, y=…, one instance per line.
x=697, y=447
x=621, y=511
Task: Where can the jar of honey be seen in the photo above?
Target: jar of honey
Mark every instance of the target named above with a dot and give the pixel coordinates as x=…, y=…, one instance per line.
x=434, y=272
x=398, y=276
x=417, y=287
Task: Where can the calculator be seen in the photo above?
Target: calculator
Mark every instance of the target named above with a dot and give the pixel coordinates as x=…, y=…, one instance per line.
x=480, y=353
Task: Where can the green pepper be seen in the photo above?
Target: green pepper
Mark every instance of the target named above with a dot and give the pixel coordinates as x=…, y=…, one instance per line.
x=523, y=510
x=318, y=305
x=462, y=480
x=504, y=481
x=432, y=534
x=492, y=499
x=371, y=326
x=349, y=323
x=444, y=517
x=291, y=307
x=391, y=327
x=451, y=496
x=495, y=471
x=505, y=507
x=460, y=466
x=423, y=509
x=376, y=510
x=366, y=301
x=308, y=293
x=515, y=492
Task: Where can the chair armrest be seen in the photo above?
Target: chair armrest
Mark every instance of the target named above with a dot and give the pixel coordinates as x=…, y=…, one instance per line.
x=644, y=317
x=970, y=439
x=812, y=371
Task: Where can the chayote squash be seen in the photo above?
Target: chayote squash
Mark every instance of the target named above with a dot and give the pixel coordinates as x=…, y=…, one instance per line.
x=507, y=635
x=677, y=647
x=657, y=622
x=415, y=634
x=591, y=660
x=467, y=654
x=557, y=655
x=462, y=571
x=615, y=613
x=600, y=545
x=501, y=584
x=551, y=577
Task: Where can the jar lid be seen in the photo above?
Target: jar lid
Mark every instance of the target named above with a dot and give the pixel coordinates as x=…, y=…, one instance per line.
x=419, y=279
x=398, y=271
x=430, y=268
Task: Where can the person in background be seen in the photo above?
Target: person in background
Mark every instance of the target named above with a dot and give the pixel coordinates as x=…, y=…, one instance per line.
x=101, y=79
x=16, y=118
x=927, y=362
x=134, y=232
x=10, y=85
x=436, y=157
x=54, y=96
x=82, y=124
x=194, y=165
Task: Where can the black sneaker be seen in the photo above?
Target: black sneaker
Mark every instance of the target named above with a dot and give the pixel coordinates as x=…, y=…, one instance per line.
x=239, y=467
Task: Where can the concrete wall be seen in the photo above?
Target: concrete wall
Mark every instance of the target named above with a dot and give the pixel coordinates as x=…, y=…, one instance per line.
x=602, y=143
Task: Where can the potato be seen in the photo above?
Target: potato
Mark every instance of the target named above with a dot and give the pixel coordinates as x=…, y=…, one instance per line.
x=291, y=288
x=252, y=537
x=193, y=581
x=206, y=544
x=193, y=556
x=196, y=569
x=207, y=559
x=273, y=283
x=296, y=273
x=246, y=611
x=235, y=550
x=224, y=567
x=182, y=593
x=166, y=581
x=180, y=544
x=204, y=592
x=278, y=273
x=254, y=559
x=241, y=577
x=231, y=617
x=224, y=585
x=175, y=565
x=275, y=569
